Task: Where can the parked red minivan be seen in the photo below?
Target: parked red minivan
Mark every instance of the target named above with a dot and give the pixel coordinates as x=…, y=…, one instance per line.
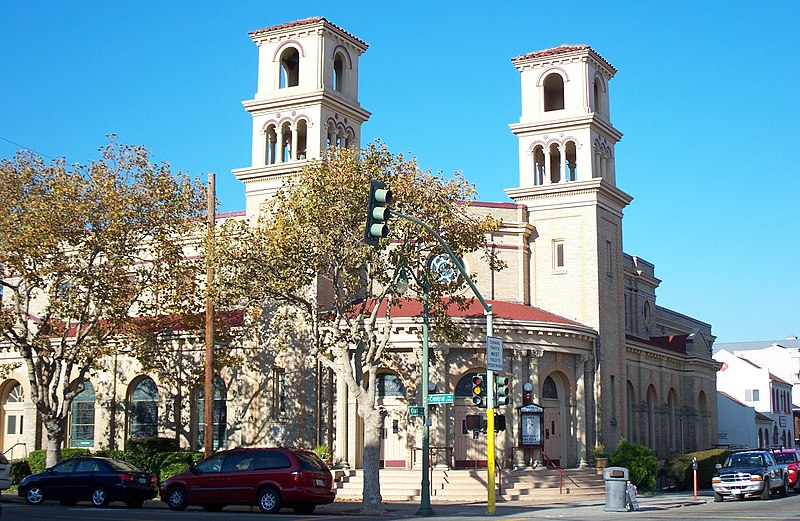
x=272, y=478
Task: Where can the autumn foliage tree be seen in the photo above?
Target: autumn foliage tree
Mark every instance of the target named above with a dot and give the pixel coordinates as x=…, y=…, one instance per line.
x=86, y=251
x=307, y=253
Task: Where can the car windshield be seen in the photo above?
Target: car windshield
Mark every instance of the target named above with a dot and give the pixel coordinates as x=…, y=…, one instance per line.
x=122, y=465
x=743, y=460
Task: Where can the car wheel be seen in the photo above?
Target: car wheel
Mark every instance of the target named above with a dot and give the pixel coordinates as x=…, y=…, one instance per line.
x=134, y=504
x=100, y=497
x=177, y=498
x=784, y=491
x=717, y=498
x=269, y=501
x=304, y=509
x=765, y=490
x=213, y=508
x=34, y=496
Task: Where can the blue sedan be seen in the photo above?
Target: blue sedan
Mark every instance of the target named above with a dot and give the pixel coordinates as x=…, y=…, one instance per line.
x=99, y=480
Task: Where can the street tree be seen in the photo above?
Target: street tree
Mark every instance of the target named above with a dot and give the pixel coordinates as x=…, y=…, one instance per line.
x=306, y=253
x=88, y=253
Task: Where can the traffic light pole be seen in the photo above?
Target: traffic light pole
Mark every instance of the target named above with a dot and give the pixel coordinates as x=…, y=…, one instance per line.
x=490, y=442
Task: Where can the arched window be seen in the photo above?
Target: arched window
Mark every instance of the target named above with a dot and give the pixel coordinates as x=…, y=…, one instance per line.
x=651, y=418
x=631, y=411
x=220, y=414
x=302, y=139
x=538, y=166
x=702, y=427
x=775, y=435
x=390, y=385
x=555, y=163
x=81, y=427
x=290, y=68
x=271, y=145
x=285, y=151
x=549, y=389
x=597, y=96
x=338, y=72
x=143, y=407
x=553, y=92
x=672, y=428
x=572, y=162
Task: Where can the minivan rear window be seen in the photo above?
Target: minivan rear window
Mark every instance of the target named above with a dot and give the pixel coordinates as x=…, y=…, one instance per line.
x=310, y=461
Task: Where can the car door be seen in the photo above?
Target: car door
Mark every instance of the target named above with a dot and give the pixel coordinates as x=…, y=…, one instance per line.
x=55, y=482
x=204, y=483
x=236, y=479
x=82, y=480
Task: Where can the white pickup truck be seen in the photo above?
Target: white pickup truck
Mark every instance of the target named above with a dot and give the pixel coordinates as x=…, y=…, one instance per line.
x=751, y=472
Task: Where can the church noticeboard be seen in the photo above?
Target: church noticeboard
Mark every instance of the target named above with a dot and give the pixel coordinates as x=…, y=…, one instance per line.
x=531, y=418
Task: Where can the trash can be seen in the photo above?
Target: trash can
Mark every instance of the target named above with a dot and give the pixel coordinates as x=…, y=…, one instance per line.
x=616, y=481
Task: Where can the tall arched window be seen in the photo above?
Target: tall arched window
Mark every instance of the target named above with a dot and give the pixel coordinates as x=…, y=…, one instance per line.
x=652, y=442
x=538, y=165
x=672, y=428
x=219, y=414
x=553, y=92
x=290, y=68
x=630, y=396
x=271, y=136
x=702, y=428
x=81, y=421
x=338, y=73
x=143, y=407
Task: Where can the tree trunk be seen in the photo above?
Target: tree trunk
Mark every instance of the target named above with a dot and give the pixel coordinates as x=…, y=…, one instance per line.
x=55, y=438
x=371, y=494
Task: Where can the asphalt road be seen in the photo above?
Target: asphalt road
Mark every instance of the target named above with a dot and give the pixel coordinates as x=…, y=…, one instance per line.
x=776, y=509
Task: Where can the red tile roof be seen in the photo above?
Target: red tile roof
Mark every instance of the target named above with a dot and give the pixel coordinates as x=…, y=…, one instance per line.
x=500, y=310
x=300, y=23
x=561, y=49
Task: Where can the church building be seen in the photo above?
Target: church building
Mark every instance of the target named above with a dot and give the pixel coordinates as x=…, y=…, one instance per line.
x=582, y=333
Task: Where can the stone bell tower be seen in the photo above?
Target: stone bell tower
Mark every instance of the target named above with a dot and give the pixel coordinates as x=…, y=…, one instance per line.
x=307, y=101
x=568, y=182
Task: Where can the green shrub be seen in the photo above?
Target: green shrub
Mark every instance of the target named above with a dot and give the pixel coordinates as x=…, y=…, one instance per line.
x=679, y=468
x=170, y=470
x=141, y=452
x=110, y=453
x=639, y=460
x=19, y=469
x=37, y=461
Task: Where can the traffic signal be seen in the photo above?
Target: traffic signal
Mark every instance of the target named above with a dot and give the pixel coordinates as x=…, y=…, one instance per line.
x=499, y=422
x=502, y=390
x=479, y=390
x=378, y=213
x=474, y=422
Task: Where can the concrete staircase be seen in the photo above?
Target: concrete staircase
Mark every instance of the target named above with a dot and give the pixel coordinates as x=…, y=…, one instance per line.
x=470, y=484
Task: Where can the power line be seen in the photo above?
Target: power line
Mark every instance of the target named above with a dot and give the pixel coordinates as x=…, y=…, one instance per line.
x=24, y=147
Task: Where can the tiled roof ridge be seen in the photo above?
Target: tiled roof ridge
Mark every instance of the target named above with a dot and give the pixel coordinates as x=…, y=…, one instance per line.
x=304, y=21
x=561, y=49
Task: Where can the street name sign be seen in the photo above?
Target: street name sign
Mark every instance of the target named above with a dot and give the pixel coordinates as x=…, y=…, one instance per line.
x=440, y=398
x=416, y=411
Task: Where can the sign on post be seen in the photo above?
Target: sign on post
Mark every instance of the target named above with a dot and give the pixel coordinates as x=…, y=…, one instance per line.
x=494, y=353
x=416, y=411
x=440, y=398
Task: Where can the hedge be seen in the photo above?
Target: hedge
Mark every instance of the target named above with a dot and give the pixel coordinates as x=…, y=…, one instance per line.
x=141, y=452
x=37, y=459
x=19, y=469
x=639, y=460
x=679, y=468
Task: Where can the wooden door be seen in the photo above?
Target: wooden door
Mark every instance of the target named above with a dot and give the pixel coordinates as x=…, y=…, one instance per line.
x=394, y=448
x=552, y=434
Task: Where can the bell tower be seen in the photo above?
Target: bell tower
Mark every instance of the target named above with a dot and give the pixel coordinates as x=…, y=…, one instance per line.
x=567, y=180
x=307, y=101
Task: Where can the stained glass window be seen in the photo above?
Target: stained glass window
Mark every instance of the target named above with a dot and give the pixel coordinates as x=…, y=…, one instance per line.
x=144, y=409
x=82, y=418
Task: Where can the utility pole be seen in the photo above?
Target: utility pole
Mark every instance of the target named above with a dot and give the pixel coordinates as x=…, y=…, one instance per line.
x=208, y=401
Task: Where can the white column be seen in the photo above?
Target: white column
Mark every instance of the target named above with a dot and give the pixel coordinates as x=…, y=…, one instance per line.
x=580, y=413
x=546, y=176
x=535, y=354
x=340, y=442
x=280, y=147
x=563, y=151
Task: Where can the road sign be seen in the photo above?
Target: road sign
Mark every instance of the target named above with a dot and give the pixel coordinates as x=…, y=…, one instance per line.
x=416, y=411
x=440, y=398
x=494, y=353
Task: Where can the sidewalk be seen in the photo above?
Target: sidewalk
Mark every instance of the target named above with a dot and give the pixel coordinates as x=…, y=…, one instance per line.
x=592, y=507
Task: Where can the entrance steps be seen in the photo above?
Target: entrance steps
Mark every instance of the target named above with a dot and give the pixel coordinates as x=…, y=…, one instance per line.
x=470, y=484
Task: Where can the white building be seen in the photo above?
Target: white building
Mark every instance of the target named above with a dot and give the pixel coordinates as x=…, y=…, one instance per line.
x=755, y=386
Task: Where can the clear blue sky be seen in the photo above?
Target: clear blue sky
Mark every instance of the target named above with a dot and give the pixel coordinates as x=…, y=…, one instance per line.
x=706, y=97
